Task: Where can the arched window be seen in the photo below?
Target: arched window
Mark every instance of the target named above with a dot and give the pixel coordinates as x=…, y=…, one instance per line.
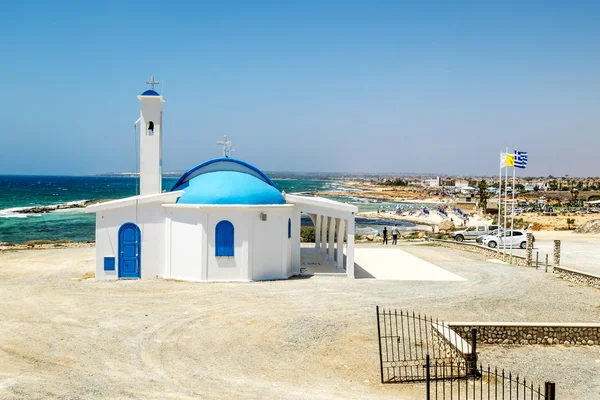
x=224, y=239
x=150, y=128
x=289, y=228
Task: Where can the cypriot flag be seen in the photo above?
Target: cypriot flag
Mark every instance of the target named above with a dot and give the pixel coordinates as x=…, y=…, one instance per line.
x=510, y=160
x=507, y=160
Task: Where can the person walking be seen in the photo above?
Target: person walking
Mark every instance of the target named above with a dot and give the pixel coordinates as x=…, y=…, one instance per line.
x=395, y=235
x=385, y=232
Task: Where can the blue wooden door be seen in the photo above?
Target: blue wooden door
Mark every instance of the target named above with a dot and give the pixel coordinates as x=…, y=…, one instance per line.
x=129, y=251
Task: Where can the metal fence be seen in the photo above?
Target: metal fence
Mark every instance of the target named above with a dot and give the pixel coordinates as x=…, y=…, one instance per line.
x=415, y=347
x=483, y=383
x=405, y=339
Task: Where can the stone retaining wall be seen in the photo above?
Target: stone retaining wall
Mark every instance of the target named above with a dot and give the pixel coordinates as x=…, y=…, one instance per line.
x=531, y=333
x=486, y=251
x=577, y=277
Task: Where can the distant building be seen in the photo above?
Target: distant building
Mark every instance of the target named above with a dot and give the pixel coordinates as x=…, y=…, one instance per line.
x=461, y=183
x=530, y=186
x=431, y=182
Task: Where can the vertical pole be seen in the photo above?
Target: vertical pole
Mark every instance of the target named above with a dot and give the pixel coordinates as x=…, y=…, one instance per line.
x=505, y=204
x=557, y=253
x=379, y=341
x=350, y=248
x=473, y=366
x=499, y=201
x=550, y=392
x=512, y=213
x=529, y=249
x=318, y=220
x=546, y=262
x=537, y=256
x=340, y=244
x=427, y=377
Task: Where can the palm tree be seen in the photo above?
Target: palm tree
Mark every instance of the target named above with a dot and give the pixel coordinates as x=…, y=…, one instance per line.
x=483, y=195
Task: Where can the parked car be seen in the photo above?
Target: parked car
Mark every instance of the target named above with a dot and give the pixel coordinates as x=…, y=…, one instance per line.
x=472, y=232
x=492, y=233
x=507, y=239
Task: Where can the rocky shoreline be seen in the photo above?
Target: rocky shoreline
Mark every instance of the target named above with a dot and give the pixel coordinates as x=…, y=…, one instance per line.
x=65, y=206
x=45, y=244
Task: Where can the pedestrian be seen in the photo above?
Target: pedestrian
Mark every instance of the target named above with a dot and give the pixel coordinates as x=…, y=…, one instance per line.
x=385, y=232
x=395, y=234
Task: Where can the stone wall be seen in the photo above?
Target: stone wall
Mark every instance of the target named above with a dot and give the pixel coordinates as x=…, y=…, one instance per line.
x=577, y=277
x=486, y=251
x=580, y=334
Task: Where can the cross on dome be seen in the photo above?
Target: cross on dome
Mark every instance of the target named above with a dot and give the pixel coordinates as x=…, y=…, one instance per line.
x=227, y=150
x=152, y=82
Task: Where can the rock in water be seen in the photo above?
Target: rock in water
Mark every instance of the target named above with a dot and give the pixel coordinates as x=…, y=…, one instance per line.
x=592, y=226
x=446, y=225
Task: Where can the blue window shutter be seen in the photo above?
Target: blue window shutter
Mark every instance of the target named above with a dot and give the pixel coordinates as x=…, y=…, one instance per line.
x=224, y=239
x=289, y=228
x=109, y=263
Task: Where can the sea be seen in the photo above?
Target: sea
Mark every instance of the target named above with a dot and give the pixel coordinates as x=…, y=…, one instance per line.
x=19, y=193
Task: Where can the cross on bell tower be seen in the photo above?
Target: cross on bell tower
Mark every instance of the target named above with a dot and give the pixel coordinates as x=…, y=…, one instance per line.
x=227, y=150
x=152, y=82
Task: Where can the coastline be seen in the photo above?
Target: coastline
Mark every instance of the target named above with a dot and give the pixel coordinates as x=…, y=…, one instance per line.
x=385, y=196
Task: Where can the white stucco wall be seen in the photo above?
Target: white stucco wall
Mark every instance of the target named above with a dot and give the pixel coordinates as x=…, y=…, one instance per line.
x=262, y=249
x=150, y=219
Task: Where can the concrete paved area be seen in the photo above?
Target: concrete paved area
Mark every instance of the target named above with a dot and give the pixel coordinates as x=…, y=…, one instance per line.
x=376, y=262
x=393, y=263
x=314, y=262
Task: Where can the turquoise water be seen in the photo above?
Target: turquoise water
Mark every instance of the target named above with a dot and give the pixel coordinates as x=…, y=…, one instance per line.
x=19, y=192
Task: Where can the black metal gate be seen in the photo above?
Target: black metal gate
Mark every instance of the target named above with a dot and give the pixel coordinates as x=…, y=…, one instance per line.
x=405, y=339
x=415, y=348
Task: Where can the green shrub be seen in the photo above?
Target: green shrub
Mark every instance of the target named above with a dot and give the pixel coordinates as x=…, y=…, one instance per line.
x=307, y=234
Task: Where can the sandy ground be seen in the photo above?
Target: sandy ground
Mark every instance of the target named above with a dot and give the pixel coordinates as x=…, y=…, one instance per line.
x=549, y=223
x=419, y=218
x=68, y=337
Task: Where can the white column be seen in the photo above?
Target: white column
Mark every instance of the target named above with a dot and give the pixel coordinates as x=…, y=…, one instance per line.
x=296, y=251
x=331, y=247
x=318, y=220
x=340, y=244
x=350, y=248
x=324, y=221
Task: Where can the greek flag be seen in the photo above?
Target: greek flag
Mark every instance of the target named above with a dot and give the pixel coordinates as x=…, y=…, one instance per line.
x=520, y=159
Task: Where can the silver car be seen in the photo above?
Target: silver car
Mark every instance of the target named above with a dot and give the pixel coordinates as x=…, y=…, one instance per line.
x=473, y=232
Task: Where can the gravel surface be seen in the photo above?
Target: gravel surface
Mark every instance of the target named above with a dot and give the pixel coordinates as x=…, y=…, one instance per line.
x=65, y=336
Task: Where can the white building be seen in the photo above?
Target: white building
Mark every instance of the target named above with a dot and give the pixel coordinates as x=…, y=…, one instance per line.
x=224, y=220
x=530, y=186
x=431, y=182
x=461, y=183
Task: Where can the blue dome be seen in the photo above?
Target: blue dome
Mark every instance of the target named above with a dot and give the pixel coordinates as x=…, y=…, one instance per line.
x=227, y=181
x=150, y=93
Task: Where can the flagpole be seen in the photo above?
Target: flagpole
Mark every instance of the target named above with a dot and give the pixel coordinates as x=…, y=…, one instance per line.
x=512, y=212
x=499, y=202
x=505, y=201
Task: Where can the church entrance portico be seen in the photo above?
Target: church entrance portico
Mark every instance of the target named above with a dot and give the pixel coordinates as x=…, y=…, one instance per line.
x=334, y=226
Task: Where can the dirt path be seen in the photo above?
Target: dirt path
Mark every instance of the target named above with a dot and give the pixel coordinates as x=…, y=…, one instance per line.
x=64, y=337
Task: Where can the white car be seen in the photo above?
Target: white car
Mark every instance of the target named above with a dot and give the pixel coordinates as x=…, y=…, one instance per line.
x=507, y=239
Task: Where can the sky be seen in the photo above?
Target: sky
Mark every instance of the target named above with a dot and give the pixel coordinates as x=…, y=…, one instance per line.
x=338, y=86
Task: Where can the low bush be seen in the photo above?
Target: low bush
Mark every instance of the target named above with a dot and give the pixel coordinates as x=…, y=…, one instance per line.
x=307, y=234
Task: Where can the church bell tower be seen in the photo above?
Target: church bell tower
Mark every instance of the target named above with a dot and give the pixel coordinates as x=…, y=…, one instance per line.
x=151, y=140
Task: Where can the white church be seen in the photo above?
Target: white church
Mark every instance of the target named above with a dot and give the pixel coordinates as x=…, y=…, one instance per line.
x=224, y=220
